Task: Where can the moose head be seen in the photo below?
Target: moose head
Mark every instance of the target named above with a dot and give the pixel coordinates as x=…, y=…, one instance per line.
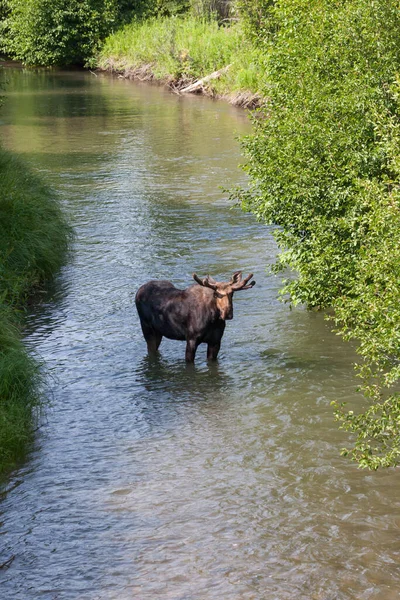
x=223, y=291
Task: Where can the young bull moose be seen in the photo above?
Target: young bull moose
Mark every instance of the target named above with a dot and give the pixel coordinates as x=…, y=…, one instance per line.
x=196, y=314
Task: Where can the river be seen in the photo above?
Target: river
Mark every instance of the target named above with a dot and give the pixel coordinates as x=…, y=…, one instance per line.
x=150, y=479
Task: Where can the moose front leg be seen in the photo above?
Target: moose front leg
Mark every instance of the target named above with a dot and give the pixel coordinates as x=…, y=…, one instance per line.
x=191, y=347
x=214, y=341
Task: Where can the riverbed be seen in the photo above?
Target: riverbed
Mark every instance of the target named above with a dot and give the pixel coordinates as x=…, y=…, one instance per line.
x=150, y=478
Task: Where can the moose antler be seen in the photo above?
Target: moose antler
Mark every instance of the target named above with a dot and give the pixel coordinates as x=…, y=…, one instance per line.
x=239, y=284
x=236, y=277
x=206, y=282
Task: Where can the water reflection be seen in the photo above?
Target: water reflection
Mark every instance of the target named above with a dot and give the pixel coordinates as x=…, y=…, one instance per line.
x=183, y=382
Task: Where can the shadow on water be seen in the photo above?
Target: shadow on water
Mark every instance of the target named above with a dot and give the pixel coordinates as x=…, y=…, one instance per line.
x=183, y=382
x=169, y=392
x=45, y=308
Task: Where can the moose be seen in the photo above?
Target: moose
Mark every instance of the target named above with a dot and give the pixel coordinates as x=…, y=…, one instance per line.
x=195, y=315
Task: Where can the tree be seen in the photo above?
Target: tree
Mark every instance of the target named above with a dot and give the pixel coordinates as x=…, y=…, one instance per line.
x=56, y=32
x=323, y=165
x=255, y=16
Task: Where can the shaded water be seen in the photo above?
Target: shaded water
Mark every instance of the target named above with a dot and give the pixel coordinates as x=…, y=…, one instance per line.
x=150, y=479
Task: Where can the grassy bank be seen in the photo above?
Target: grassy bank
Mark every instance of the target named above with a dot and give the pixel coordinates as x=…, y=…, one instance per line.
x=33, y=242
x=179, y=51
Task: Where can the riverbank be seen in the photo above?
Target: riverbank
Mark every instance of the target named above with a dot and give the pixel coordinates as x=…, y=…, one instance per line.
x=34, y=238
x=179, y=52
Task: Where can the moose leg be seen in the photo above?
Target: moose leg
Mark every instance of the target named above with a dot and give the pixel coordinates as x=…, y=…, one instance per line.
x=212, y=351
x=153, y=339
x=191, y=347
x=153, y=343
x=214, y=341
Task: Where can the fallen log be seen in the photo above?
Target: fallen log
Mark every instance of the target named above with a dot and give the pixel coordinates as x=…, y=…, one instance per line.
x=197, y=85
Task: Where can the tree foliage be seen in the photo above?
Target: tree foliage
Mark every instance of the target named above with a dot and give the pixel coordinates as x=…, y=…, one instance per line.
x=255, y=17
x=56, y=32
x=324, y=166
x=220, y=9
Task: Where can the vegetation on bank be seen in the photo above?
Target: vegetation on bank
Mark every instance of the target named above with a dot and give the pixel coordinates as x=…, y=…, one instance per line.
x=70, y=32
x=34, y=239
x=324, y=166
x=173, y=41
x=178, y=51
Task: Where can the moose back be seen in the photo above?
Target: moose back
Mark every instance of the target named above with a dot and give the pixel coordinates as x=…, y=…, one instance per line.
x=195, y=315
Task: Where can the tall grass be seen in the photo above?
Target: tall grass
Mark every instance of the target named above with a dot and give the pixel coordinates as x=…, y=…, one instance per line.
x=34, y=238
x=33, y=233
x=182, y=49
x=19, y=398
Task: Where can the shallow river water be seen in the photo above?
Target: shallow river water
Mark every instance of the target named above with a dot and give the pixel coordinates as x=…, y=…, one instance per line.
x=150, y=479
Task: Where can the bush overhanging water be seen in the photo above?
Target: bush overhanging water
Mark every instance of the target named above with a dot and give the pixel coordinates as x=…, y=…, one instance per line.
x=324, y=166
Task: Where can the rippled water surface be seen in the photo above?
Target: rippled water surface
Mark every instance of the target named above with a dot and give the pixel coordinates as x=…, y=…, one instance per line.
x=150, y=479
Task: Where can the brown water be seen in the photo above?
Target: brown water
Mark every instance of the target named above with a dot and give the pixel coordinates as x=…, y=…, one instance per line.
x=149, y=479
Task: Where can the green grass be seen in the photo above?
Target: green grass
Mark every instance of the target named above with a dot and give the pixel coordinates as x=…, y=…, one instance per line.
x=19, y=398
x=182, y=49
x=34, y=239
x=33, y=232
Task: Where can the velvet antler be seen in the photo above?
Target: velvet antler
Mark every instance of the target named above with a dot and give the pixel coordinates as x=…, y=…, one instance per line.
x=240, y=284
x=206, y=281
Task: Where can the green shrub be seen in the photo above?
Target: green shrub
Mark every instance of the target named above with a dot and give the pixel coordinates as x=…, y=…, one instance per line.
x=220, y=10
x=56, y=32
x=323, y=164
x=169, y=8
x=256, y=17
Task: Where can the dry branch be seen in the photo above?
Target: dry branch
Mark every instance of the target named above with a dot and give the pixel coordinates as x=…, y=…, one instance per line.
x=198, y=85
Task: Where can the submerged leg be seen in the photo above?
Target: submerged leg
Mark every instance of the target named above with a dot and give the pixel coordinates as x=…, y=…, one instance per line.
x=212, y=351
x=191, y=347
x=153, y=343
x=153, y=339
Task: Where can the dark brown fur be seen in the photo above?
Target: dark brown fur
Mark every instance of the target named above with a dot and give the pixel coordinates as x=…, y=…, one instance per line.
x=196, y=315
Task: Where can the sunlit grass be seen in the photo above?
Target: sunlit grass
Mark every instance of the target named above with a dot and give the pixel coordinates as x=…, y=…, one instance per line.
x=34, y=239
x=185, y=49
